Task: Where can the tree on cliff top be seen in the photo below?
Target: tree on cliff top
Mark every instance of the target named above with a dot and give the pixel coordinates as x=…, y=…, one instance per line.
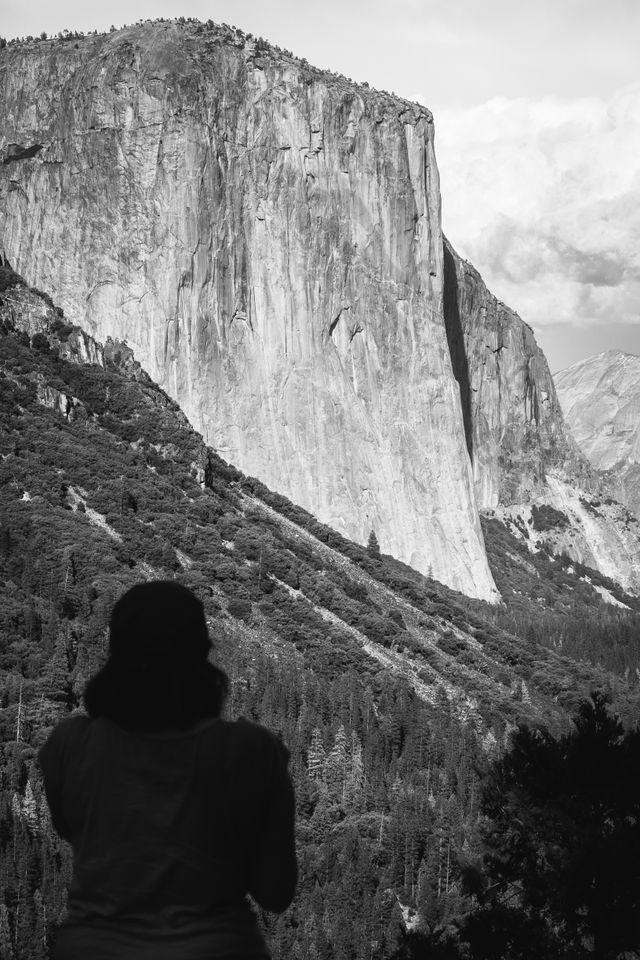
x=560, y=875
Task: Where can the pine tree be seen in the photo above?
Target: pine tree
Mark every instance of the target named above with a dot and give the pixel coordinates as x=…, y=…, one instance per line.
x=316, y=756
x=373, y=547
x=355, y=778
x=321, y=821
x=335, y=766
x=29, y=807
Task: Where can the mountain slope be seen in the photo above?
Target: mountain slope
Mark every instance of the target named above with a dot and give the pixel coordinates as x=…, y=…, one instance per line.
x=389, y=689
x=105, y=449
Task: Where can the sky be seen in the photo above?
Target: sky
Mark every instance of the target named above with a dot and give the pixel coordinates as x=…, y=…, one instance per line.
x=537, y=118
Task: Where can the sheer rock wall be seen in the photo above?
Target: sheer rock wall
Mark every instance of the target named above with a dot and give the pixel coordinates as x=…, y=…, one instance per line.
x=267, y=239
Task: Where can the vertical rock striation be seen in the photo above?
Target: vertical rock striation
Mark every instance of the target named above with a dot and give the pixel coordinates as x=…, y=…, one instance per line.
x=267, y=239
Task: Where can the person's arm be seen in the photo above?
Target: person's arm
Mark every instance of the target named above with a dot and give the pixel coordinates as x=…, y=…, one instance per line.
x=274, y=872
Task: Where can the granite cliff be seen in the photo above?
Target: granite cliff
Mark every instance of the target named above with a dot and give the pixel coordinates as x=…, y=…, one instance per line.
x=601, y=402
x=267, y=239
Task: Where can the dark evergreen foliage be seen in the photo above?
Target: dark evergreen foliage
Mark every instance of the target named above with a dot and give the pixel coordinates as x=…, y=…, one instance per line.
x=373, y=547
x=546, y=517
x=560, y=874
x=554, y=601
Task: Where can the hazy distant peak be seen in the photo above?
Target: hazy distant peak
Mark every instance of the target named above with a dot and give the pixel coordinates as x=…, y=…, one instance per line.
x=600, y=398
x=607, y=358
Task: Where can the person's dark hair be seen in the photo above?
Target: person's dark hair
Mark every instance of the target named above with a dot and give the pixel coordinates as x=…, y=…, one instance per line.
x=157, y=675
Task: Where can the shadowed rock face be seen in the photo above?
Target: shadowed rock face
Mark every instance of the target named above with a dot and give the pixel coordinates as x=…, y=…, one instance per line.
x=601, y=401
x=522, y=451
x=514, y=425
x=267, y=239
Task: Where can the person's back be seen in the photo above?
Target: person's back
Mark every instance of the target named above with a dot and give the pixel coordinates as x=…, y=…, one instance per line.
x=171, y=829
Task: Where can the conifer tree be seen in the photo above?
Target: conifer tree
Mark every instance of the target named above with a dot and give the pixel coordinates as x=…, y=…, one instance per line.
x=373, y=547
x=336, y=764
x=316, y=756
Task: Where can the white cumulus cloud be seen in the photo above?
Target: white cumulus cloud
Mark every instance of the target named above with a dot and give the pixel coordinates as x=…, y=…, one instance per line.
x=543, y=197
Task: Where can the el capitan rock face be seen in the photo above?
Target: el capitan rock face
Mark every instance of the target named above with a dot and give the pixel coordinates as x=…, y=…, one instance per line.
x=601, y=402
x=267, y=239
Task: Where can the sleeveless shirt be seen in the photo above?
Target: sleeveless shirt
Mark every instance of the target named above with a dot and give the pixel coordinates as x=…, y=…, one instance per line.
x=164, y=828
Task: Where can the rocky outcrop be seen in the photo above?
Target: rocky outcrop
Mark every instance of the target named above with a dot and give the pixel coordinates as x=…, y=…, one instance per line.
x=600, y=398
x=34, y=313
x=267, y=239
x=590, y=527
x=66, y=404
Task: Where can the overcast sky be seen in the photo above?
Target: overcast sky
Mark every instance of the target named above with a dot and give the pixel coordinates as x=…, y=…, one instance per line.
x=537, y=113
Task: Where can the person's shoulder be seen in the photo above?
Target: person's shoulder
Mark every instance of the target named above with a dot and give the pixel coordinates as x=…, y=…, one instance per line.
x=259, y=737
x=71, y=726
x=253, y=730
x=74, y=721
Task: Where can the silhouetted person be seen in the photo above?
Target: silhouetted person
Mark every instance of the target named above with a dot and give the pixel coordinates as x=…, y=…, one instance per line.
x=174, y=814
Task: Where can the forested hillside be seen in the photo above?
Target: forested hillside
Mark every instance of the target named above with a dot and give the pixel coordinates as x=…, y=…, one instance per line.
x=551, y=599
x=392, y=692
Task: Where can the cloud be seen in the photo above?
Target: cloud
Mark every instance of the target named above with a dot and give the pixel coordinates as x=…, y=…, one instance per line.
x=543, y=196
x=521, y=253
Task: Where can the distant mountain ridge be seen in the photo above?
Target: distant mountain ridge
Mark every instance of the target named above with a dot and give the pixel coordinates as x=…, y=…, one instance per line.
x=600, y=398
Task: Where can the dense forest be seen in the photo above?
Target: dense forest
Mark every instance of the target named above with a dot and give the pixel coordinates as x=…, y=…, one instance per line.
x=393, y=693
